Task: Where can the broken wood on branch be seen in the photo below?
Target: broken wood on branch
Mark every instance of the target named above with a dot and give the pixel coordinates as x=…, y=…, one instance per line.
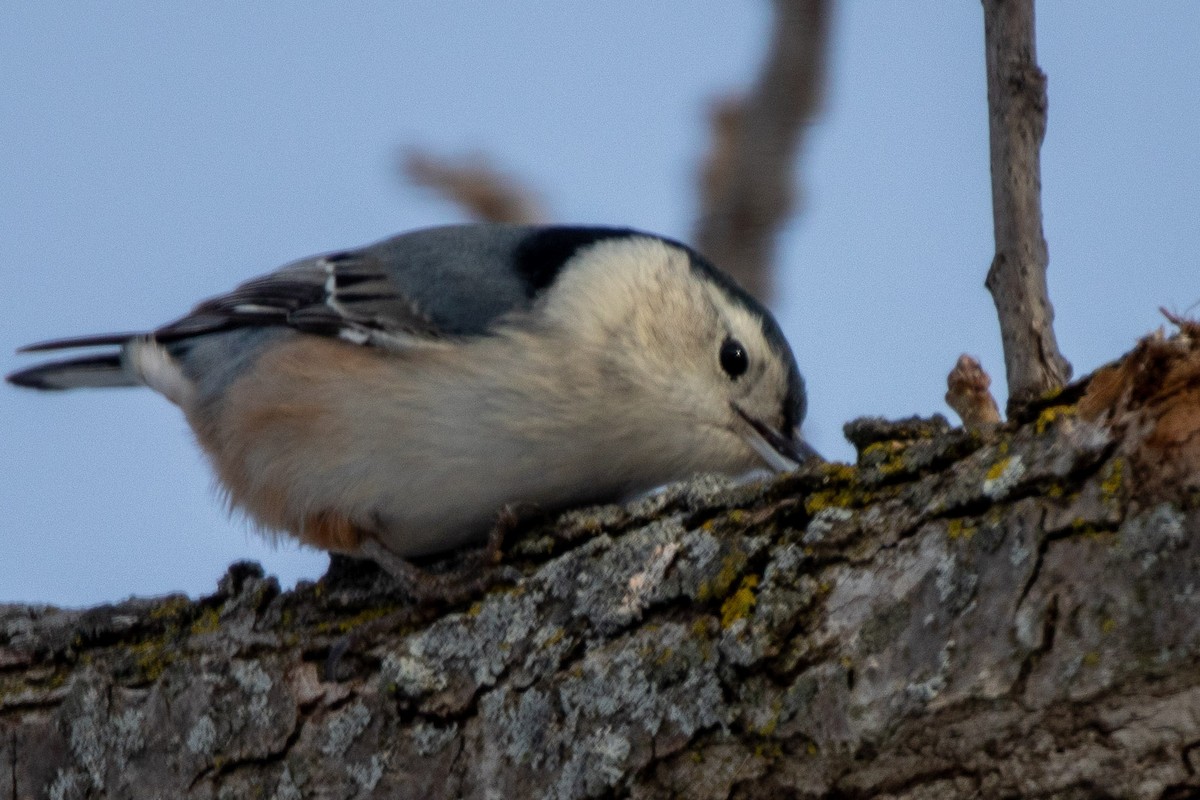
x=968, y=393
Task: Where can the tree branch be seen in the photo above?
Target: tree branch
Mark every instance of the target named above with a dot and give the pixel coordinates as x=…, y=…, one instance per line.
x=747, y=185
x=959, y=615
x=1017, y=277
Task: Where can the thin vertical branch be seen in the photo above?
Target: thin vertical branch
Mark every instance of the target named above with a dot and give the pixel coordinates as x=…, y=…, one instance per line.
x=747, y=185
x=1017, y=278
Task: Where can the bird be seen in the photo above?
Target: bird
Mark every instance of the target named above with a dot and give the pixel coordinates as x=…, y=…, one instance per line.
x=389, y=402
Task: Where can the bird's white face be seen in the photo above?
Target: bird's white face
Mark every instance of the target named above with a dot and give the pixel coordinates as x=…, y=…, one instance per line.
x=684, y=357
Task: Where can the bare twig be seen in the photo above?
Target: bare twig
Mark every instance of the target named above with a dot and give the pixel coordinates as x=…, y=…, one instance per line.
x=747, y=185
x=968, y=394
x=1017, y=278
x=475, y=184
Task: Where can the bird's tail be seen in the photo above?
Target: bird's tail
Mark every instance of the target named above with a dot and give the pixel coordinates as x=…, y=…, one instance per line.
x=92, y=371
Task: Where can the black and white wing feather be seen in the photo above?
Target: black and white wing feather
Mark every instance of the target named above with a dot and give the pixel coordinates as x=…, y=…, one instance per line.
x=345, y=295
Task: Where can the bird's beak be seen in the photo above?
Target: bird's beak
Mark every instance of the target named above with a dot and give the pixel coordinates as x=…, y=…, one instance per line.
x=781, y=453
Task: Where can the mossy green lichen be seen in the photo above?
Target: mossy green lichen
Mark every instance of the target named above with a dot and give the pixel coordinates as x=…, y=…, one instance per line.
x=739, y=604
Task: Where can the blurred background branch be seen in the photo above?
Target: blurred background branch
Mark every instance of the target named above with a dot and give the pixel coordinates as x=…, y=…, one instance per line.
x=474, y=184
x=748, y=185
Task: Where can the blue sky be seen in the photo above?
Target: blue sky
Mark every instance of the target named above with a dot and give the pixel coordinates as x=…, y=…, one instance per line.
x=158, y=153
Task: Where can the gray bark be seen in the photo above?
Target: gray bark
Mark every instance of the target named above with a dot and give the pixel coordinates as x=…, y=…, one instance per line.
x=959, y=615
x=1017, y=277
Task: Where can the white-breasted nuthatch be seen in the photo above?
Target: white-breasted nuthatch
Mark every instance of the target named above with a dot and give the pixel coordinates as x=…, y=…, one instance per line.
x=392, y=399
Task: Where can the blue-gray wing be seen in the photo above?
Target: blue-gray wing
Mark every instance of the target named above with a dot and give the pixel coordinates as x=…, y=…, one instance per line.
x=402, y=292
x=453, y=280
x=418, y=286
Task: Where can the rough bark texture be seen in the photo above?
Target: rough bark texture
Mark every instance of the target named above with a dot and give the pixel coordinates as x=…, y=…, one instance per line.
x=747, y=186
x=958, y=615
x=1017, y=278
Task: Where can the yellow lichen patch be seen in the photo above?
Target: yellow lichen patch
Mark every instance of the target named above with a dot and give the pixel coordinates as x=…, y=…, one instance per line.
x=554, y=638
x=152, y=657
x=771, y=724
x=997, y=469
x=1108, y=625
x=208, y=622
x=719, y=586
x=1091, y=659
x=170, y=609
x=739, y=604
x=957, y=529
x=875, y=450
x=838, y=473
x=1114, y=476
x=828, y=498
x=768, y=750
x=1051, y=415
x=350, y=623
x=738, y=517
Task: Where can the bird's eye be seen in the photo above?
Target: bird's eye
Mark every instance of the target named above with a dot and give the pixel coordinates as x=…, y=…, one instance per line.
x=733, y=358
